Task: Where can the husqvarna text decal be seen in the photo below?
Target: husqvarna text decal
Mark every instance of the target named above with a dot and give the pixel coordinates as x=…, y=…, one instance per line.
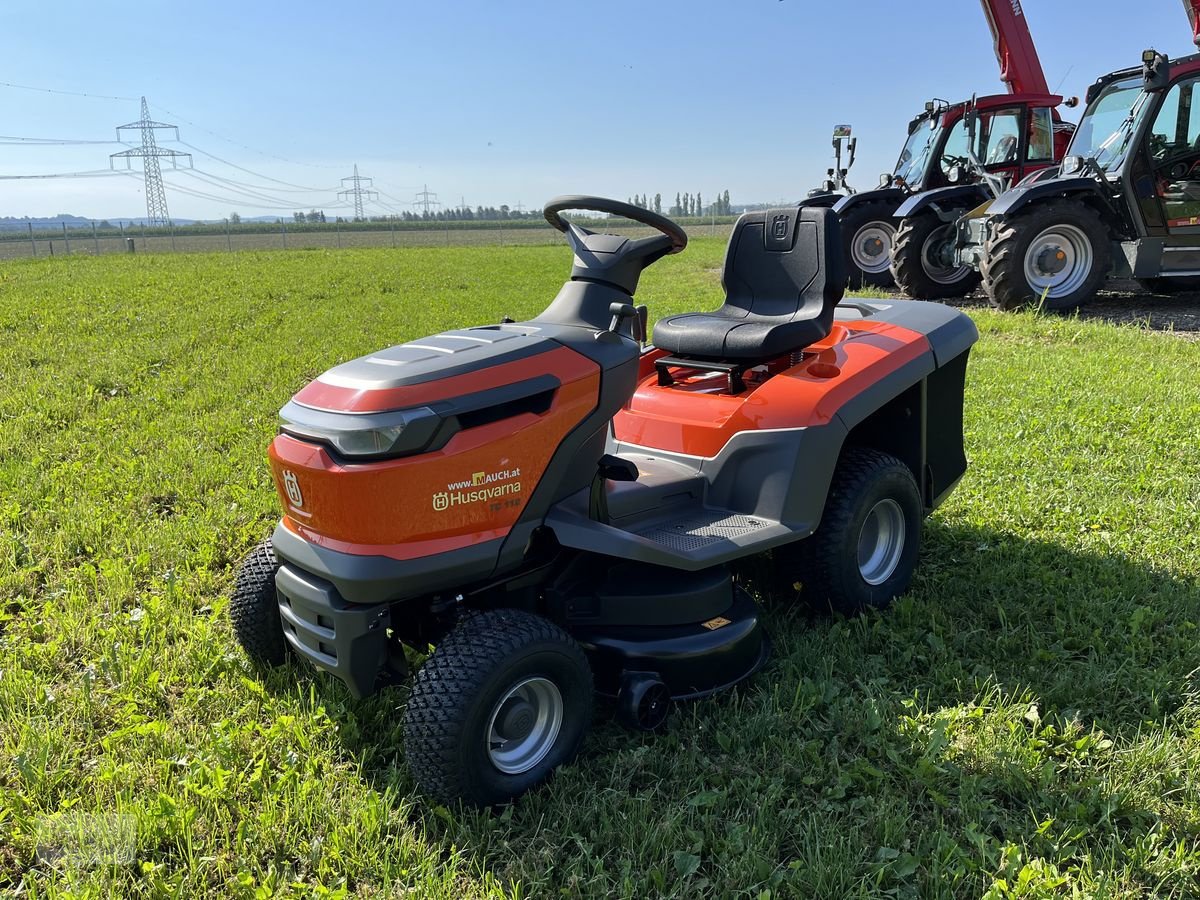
x=479, y=488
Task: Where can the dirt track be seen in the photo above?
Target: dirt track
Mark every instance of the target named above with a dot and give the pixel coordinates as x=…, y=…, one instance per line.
x=1126, y=303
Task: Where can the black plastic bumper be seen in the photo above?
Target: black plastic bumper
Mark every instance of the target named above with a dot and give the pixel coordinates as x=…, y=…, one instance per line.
x=345, y=639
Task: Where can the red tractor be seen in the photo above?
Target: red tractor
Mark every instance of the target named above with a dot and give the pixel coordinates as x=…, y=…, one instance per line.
x=1022, y=132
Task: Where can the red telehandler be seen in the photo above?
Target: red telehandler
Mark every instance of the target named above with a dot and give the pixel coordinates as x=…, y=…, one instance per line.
x=1021, y=132
x=1125, y=202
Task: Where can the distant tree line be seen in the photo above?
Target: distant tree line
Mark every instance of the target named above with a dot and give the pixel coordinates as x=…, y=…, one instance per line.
x=685, y=204
x=451, y=214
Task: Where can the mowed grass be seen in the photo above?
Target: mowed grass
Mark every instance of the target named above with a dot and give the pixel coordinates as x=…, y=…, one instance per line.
x=1024, y=723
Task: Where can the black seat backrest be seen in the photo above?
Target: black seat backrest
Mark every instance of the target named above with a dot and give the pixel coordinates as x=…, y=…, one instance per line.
x=786, y=264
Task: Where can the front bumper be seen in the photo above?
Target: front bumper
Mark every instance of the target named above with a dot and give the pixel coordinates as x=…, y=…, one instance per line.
x=347, y=640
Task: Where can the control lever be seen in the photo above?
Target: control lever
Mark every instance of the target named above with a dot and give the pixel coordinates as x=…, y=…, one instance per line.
x=609, y=468
x=619, y=312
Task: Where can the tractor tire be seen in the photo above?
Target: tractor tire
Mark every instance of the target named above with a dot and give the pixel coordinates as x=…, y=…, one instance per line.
x=864, y=553
x=916, y=272
x=500, y=677
x=868, y=233
x=1183, y=285
x=254, y=608
x=1054, y=255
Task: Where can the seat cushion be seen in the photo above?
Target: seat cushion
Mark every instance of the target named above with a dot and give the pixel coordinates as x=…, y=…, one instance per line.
x=709, y=336
x=783, y=277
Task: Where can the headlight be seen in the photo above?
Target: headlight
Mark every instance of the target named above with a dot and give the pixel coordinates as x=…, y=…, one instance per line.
x=1072, y=164
x=362, y=436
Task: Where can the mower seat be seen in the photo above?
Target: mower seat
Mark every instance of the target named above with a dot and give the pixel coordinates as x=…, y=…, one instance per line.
x=784, y=274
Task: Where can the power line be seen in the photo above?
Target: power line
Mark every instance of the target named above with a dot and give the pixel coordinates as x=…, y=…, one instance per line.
x=41, y=90
x=253, y=195
x=150, y=153
x=40, y=142
x=94, y=173
x=240, y=144
x=359, y=188
x=250, y=171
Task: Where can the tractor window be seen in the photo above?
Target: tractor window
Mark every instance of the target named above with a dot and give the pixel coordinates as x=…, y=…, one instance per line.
x=1041, y=135
x=914, y=158
x=1000, y=137
x=954, y=153
x=1174, y=144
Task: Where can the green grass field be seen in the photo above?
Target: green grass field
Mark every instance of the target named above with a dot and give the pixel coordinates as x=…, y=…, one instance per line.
x=1025, y=723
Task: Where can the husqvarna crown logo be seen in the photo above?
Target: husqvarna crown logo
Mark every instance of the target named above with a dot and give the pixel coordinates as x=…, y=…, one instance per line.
x=779, y=226
x=292, y=486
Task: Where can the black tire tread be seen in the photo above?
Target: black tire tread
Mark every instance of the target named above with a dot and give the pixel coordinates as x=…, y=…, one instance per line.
x=1003, y=266
x=908, y=270
x=447, y=681
x=815, y=559
x=254, y=609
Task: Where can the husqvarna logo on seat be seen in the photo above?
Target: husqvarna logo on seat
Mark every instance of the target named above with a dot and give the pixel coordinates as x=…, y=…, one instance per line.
x=779, y=226
x=292, y=486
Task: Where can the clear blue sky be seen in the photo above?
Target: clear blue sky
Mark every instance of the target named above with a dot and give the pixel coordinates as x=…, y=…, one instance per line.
x=507, y=102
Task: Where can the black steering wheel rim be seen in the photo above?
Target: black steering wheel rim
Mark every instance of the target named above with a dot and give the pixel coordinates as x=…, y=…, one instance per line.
x=645, y=217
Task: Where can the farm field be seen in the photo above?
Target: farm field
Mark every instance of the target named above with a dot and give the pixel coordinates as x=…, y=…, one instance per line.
x=1024, y=723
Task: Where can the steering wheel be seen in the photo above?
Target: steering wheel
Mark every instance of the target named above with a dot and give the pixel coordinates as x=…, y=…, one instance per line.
x=654, y=220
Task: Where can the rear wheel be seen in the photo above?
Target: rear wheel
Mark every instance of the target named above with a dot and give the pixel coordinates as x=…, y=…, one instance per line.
x=868, y=232
x=920, y=262
x=1185, y=284
x=501, y=702
x=865, y=551
x=1055, y=255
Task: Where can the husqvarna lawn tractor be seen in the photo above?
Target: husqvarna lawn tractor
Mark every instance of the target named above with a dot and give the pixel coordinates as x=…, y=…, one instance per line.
x=556, y=510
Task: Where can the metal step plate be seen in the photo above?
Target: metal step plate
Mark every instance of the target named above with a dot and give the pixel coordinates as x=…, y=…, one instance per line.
x=702, y=529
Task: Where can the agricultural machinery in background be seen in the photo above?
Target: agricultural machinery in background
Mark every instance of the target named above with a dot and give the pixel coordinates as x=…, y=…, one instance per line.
x=1020, y=132
x=835, y=185
x=1125, y=202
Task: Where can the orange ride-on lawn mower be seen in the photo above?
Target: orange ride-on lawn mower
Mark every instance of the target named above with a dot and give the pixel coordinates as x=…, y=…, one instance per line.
x=555, y=511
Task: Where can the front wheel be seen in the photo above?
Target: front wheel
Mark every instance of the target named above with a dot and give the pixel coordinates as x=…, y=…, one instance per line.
x=501, y=702
x=869, y=231
x=254, y=608
x=864, y=553
x=922, y=259
x=1054, y=256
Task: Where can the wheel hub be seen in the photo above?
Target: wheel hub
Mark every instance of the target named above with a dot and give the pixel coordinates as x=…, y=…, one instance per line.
x=881, y=542
x=1058, y=261
x=524, y=725
x=937, y=257
x=871, y=249
x=1052, y=260
x=516, y=719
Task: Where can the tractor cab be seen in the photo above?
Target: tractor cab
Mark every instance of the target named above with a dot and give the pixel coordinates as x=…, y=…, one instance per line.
x=1126, y=202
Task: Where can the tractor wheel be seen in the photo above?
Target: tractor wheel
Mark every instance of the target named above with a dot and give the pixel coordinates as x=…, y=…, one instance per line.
x=868, y=232
x=916, y=266
x=254, y=608
x=1055, y=255
x=865, y=551
x=501, y=702
x=1183, y=285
